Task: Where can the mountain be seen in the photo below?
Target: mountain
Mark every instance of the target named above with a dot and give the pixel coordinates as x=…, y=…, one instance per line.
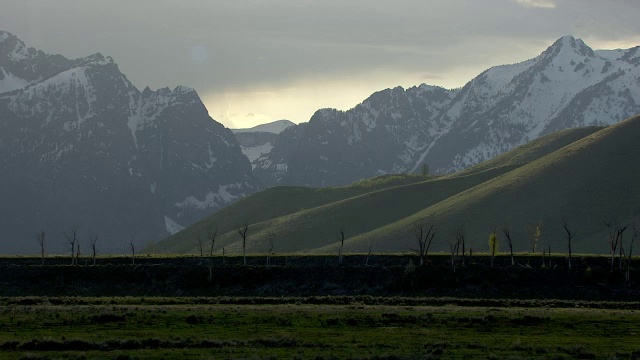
x=586, y=174
x=274, y=127
x=259, y=140
x=81, y=145
x=397, y=130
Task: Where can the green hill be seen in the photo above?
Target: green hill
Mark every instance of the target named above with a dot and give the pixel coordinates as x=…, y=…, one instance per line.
x=561, y=174
x=592, y=179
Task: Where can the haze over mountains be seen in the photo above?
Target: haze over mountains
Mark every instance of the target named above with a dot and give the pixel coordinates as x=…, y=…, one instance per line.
x=587, y=175
x=396, y=130
x=81, y=145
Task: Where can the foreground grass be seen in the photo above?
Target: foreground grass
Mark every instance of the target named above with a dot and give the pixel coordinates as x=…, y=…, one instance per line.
x=123, y=328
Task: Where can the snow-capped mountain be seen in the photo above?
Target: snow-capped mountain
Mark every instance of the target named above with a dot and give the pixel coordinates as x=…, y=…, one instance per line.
x=274, y=127
x=259, y=140
x=397, y=130
x=81, y=145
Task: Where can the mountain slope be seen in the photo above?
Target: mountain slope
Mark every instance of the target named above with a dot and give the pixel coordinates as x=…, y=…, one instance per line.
x=396, y=130
x=588, y=181
x=314, y=224
x=80, y=145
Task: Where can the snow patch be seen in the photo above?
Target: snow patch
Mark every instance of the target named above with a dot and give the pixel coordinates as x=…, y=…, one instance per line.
x=254, y=152
x=172, y=226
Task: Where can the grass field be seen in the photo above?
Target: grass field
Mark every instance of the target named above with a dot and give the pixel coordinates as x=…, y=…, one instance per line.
x=192, y=328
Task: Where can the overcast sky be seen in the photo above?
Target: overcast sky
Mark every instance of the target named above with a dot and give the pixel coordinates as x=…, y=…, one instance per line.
x=254, y=61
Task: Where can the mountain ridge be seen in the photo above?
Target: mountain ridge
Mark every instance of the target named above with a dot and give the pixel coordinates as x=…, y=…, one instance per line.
x=121, y=161
x=397, y=130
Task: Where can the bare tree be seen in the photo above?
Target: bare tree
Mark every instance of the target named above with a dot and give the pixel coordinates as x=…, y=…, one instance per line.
x=72, y=240
x=569, y=234
x=366, y=262
x=461, y=240
x=200, y=244
x=534, y=231
x=212, y=232
x=271, y=238
x=507, y=233
x=341, y=238
x=243, y=232
x=616, y=231
x=634, y=235
x=40, y=238
x=94, y=243
x=424, y=233
x=453, y=247
x=493, y=243
x=132, y=236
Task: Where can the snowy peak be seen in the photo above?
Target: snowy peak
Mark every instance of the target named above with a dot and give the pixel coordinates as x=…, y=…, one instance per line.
x=396, y=130
x=11, y=48
x=275, y=127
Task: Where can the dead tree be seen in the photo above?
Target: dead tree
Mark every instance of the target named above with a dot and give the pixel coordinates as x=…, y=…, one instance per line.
x=271, y=238
x=94, y=242
x=570, y=235
x=615, y=238
x=132, y=236
x=460, y=239
x=424, y=234
x=507, y=233
x=78, y=253
x=534, y=231
x=200, y=244
x=453, y=247
x=635, y=234
x=40, y=238
x=366, y=262
x=341, y=238
x=212, y=232
x=493, y=243
x=72, y=240
x=243, y=233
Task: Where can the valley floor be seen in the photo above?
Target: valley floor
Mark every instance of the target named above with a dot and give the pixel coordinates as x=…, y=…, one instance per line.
x=339, y=328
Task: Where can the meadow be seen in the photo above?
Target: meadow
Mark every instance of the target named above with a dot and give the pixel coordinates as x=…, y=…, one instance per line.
x=315, y=328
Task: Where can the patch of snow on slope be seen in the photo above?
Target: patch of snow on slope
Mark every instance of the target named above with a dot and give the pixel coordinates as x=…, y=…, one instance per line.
x=254, y=152
x=212, y=199
x=10, y=82
x=172, y=226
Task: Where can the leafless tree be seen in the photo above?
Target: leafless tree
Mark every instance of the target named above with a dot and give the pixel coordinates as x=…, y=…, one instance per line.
x=132, y=236
x=40, y=238
x=534, y=231
x=366, y=262
x=341, y=238
x=634, y=235
x=507, y=233
x=271, y=238
x=453, y=247
x=200, y=244
x=493, y=243
x=569, y=234
x=242, y=230
x=94, y=243
x=461, y=240
x=424, y=233
x=72, y=240
x=616, y=231
x=212, y=232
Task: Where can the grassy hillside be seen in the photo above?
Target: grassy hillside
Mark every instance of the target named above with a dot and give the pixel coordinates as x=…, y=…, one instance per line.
x=587, y=181
x=535, y=182
x=273, y=203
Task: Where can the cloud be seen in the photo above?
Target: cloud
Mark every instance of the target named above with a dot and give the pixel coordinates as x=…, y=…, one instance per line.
x=546, y=4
